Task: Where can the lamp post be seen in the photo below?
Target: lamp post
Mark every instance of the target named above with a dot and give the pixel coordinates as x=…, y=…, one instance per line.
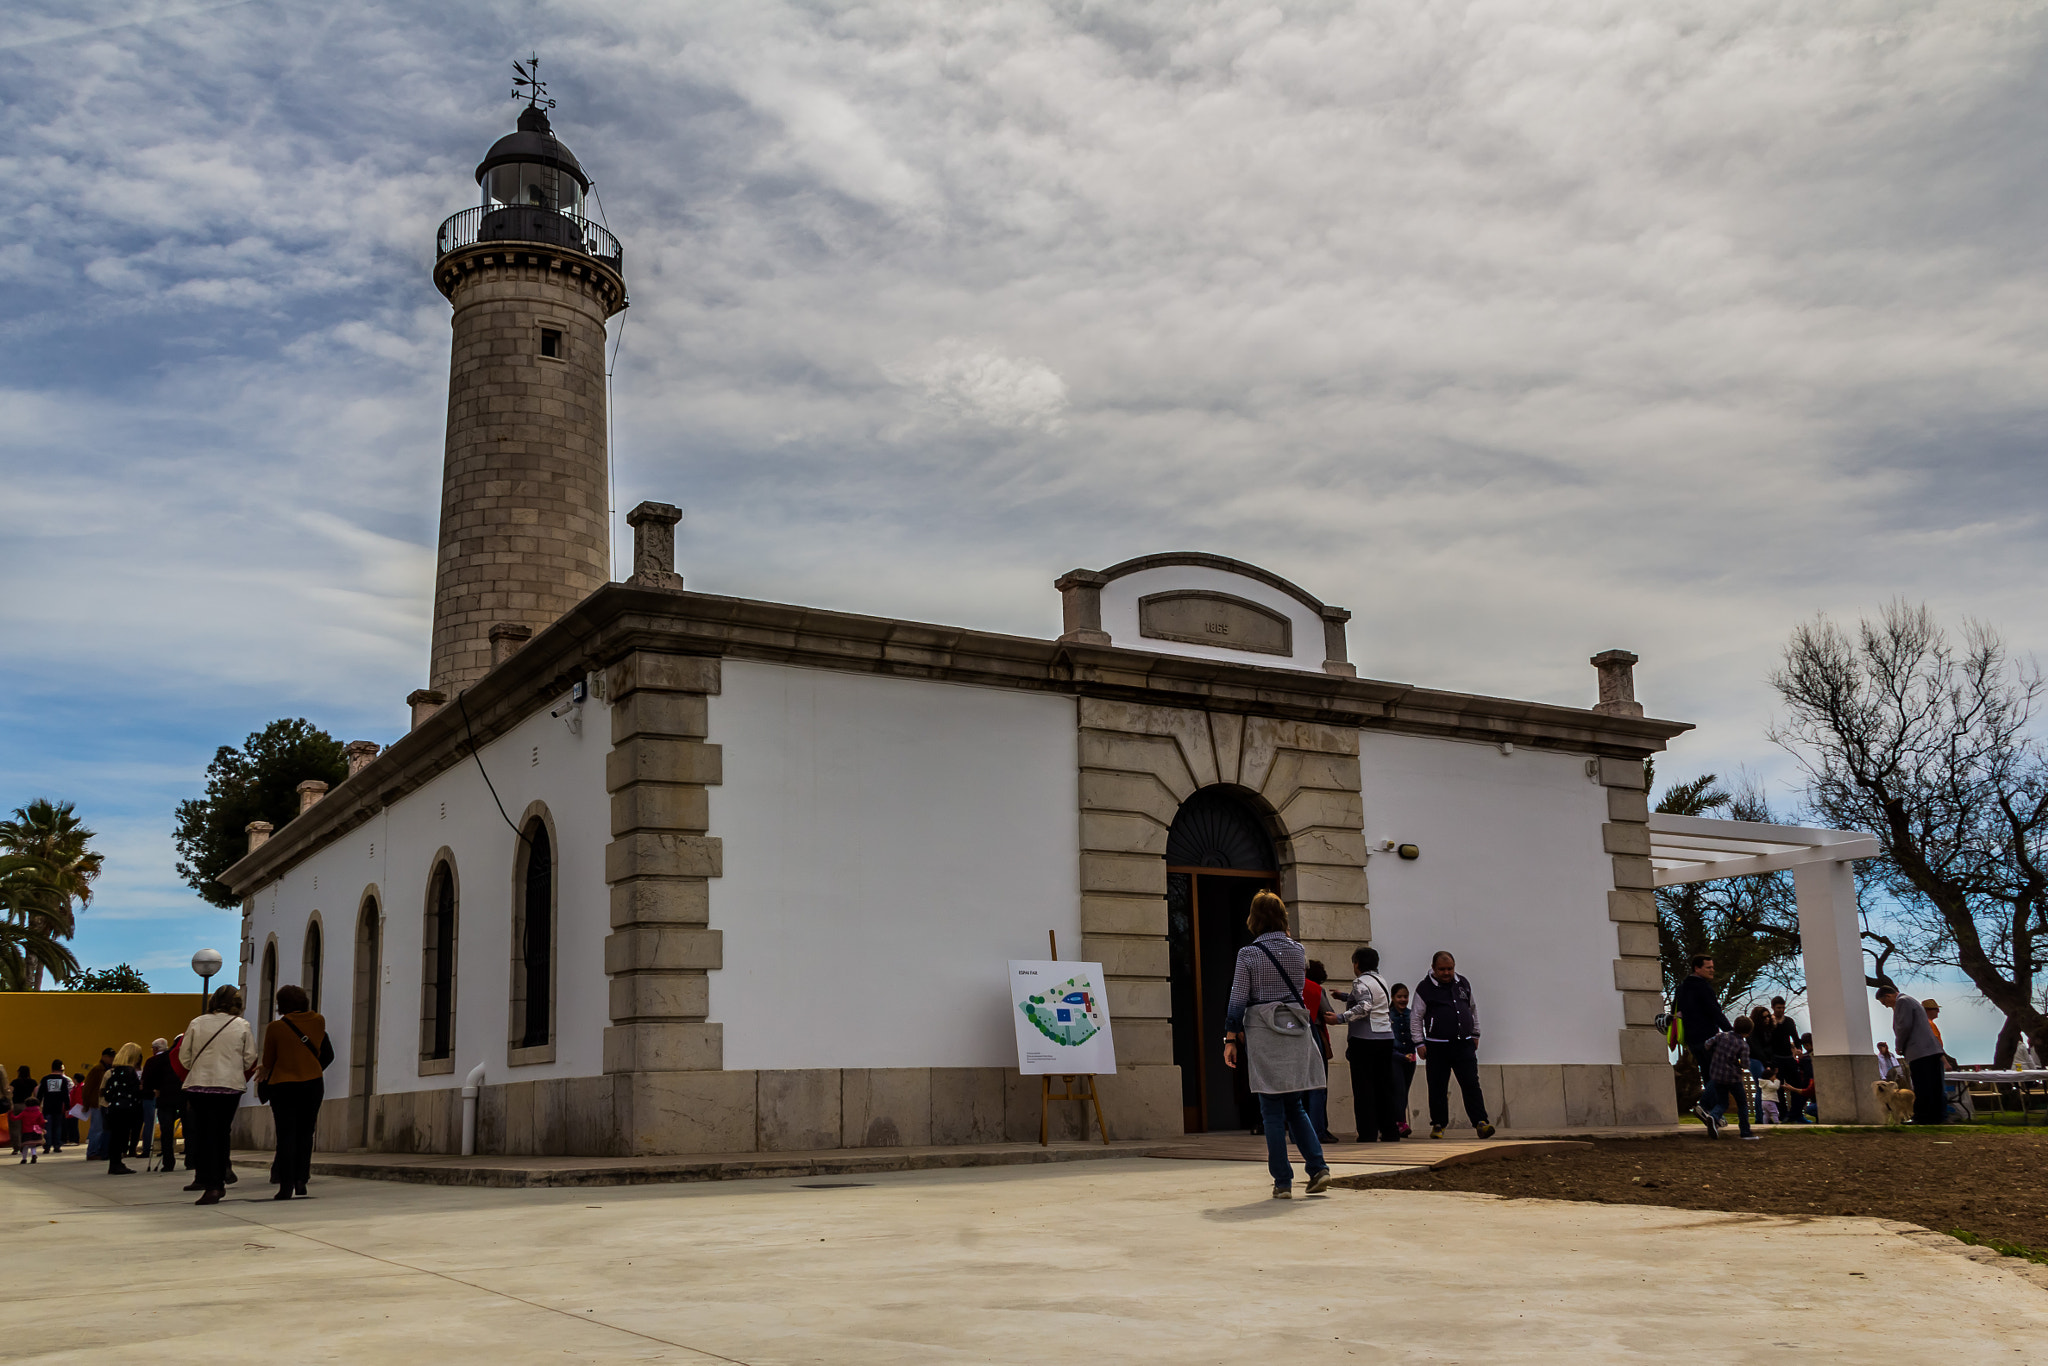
x=206, y=963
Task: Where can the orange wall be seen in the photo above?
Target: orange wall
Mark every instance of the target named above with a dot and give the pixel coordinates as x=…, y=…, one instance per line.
x=36, y=1026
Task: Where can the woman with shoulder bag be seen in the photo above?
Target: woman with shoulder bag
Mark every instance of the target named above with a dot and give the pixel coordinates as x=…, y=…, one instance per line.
x=1268, y=1023
x=219, y=1054
x=289, y=1075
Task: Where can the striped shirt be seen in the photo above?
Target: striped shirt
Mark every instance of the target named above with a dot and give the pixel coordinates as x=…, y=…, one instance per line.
x=1256, y=981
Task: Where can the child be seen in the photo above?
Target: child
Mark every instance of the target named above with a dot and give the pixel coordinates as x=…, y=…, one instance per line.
x=1404, y=1051
x=1727, y=1073
x=30, y=1122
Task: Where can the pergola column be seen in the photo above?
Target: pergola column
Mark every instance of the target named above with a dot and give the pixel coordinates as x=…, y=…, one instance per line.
x=1831, y=941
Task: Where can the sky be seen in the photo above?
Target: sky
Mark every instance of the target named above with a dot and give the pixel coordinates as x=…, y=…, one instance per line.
x=1522, y=330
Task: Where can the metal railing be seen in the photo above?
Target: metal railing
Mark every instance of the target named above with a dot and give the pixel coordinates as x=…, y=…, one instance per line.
x=525, y=223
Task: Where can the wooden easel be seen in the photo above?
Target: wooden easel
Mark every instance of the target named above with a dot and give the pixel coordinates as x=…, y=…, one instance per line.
x=1086, y=1094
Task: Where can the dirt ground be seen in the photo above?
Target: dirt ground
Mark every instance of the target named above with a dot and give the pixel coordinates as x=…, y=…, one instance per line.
x=1989, y=1184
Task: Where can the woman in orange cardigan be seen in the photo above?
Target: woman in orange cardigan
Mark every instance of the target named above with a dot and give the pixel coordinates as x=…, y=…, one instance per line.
x=290, y=1075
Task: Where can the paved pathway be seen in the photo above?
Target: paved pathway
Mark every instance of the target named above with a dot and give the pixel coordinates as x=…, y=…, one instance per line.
x=446, y=1169
x=1131, y=1261
x=1126, y=1261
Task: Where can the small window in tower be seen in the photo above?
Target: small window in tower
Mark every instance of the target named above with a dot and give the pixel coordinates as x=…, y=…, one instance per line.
x=551, y=342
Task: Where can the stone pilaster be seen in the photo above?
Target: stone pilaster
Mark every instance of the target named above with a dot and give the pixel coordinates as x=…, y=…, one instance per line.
x=1138, y=764
x=1643, y=1093
x=658, y=864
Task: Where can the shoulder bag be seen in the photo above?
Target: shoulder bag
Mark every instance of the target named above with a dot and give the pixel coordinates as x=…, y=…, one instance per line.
x=1280, y=1046
x=324, y=1053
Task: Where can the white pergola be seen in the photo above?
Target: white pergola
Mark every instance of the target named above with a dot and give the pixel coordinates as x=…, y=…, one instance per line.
x=1699, y=849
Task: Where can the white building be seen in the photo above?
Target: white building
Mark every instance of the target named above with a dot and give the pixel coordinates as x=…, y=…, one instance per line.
x=687, y=873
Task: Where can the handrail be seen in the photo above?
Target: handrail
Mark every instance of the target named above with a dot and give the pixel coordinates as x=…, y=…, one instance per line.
x=528, y=223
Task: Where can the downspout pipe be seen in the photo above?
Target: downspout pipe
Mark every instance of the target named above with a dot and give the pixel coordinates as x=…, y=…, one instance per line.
x=470, y=1087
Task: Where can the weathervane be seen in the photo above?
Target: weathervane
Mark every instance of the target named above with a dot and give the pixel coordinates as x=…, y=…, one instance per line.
x=536, y=92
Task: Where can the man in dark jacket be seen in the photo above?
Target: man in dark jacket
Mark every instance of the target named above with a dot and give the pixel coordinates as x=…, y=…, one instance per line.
x=1449, y=1039
x=160, y=1089
x=95, y=1117
x=54, y=1092
x=1700, y=1012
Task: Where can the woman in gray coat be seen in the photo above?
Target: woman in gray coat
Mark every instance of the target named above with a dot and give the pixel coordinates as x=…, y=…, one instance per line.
x=1280, y=1056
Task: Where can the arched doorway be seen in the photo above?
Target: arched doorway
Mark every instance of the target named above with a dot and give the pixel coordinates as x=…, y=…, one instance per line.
x=1218, y=855
x=362, y=1053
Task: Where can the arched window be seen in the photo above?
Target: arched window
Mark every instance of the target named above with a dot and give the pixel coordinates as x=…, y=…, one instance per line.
x=437, y=970
x=310, y=965
x=268, y=984
x=362, y=1048
x=533, y=945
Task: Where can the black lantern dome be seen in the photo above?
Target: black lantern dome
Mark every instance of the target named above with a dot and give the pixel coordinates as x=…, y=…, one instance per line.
x=531, y=167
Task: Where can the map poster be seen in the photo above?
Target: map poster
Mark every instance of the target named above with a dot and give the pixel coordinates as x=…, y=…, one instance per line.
x=1061, y=1017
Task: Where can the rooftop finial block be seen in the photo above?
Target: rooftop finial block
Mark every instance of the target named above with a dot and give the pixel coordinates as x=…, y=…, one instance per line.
x=654, y=545
x=1617, y=683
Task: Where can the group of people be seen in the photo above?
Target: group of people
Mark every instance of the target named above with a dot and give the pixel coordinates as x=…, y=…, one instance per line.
x=1278, y=1026
x=198, y=1078
x=1741, y=1060
x=1759, y=1064
x=120, y=1101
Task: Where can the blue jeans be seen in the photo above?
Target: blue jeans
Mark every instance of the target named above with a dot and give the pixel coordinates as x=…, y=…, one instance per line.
x=96, y=1133
x=148, y=1123
x=1319, y=1110
x=1707, y=1096
x=1725, y=1092
x=1287, y=1116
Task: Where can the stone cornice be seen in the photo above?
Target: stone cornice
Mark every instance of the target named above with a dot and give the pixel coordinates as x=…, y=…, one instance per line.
x=599, y=276
x=618, y=619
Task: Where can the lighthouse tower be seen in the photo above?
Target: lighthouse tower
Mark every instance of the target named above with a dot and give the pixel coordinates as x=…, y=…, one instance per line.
x=525, y=523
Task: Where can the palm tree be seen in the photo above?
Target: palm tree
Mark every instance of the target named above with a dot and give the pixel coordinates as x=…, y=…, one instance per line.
x=32, y=918
x=52, y=866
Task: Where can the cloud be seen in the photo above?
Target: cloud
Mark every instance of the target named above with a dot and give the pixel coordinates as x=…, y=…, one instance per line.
x=964, y=382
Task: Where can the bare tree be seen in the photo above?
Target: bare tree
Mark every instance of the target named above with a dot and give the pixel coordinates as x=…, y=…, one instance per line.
x=1930, y=744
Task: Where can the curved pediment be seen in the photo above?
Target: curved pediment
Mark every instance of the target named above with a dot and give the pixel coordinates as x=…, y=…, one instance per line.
x=1206, y=606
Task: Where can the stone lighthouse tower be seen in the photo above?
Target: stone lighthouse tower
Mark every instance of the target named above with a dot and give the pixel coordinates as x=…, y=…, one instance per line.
x=525, y=524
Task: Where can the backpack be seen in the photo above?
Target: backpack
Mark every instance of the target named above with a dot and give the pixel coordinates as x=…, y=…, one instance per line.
x=120, y=1091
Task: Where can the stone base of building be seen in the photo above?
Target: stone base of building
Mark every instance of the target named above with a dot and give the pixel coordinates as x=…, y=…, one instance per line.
x=648, y=1114
x=1530, y=1097
x=1842, y=1085
x=663, y=1113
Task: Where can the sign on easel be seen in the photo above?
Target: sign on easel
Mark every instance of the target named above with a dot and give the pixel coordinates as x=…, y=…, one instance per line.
x=1062, y=1019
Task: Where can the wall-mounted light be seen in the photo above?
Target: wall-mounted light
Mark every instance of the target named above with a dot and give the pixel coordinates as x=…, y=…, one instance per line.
x=1409, y=851
x=1507, y=747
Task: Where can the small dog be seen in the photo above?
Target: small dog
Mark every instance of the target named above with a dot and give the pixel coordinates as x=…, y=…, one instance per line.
x=1896, y=1099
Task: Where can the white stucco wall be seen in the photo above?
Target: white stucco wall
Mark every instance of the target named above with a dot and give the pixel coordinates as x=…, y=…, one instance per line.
x=1512, y=880
x=1120, y=615
x=393, y=853
x=889, y=844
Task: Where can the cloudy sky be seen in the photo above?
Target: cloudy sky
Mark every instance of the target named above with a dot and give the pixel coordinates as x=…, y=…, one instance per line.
x=1522, y=330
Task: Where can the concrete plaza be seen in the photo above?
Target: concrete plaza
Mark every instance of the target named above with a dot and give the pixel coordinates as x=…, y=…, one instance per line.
x=1129, y=1260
